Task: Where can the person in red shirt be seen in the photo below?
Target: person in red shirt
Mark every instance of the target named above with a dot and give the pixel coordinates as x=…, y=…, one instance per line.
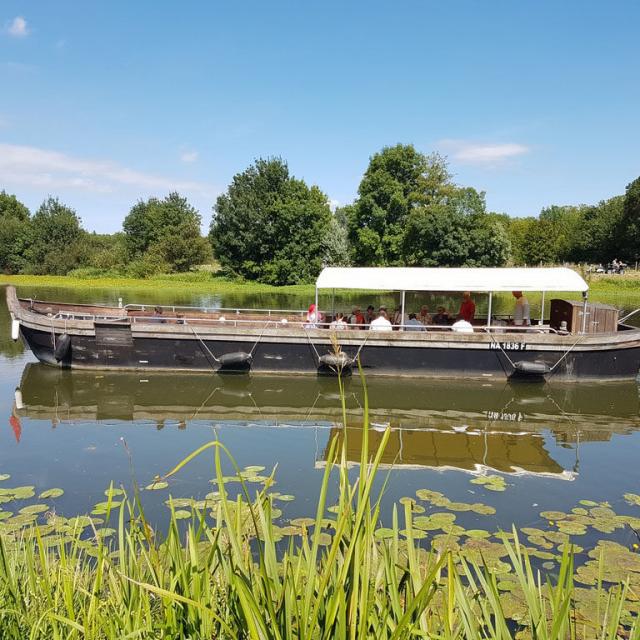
x=467, y=308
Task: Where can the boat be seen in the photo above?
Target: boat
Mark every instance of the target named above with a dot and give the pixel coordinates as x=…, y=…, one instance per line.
x=576, y=340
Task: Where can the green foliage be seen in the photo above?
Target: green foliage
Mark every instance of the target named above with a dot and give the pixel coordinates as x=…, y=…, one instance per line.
x=629, y=227
x=455, y=232
x=336, y=242
x=270, y=226
x=398, y=180
x=14, y=232
x=55, y=241
x=164, y=235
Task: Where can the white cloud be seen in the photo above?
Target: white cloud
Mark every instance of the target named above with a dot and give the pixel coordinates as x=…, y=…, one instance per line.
x=18, y=27
x=334, y=204
x=484, y=155
x=188, y=156
x=43, y=168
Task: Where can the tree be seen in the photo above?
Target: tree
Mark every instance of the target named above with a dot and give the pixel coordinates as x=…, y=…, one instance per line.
x=629, y=227
x=595, y=240
x=270, y=226
x=397, y=180
x=14, y=232
x=53, y=244
x=455, y=232
x=168, y=229
x=336, y=242
x=538, y=246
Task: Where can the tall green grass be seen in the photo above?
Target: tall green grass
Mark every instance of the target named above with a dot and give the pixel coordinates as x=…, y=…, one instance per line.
x=228, y=574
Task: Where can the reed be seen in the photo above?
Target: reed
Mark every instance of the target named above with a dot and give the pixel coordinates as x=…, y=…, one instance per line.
x=228, y=572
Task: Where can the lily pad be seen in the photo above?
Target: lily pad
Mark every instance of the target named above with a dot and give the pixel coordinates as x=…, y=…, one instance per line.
x=181, y=514
x=156, y=486
x=4, y=476
x=553, y=515
x=51, y=493
x=113, y=491
x=34, y=509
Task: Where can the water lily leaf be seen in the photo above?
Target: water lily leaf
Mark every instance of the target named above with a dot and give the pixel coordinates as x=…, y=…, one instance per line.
x=156, y=486
x=495, y=487
x=5, y=514
x=179, y=502
x=286, y=497
x=333, y=508
x=588, y=503
x=459, y=506
x=303, y=522
x=477, y=533
x=324, y=539
x=113, y=491
x=4, y=476
x=548, y=565
x=416, y=534
x=482, y=509
x=406, y=500
x=531, y=531
x=51, y=493
x=253, y=469
x=572, y=528
x=553, y=515
x=539, y=541
x=34, y=508
x=602, y=512
x=181, y=514
x=632, y=498
x=428, y=495
x=579, y=511
x=507, y=585
x=384, y=533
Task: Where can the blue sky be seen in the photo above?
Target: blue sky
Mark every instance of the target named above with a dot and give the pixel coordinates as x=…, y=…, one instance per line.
x=101, y=104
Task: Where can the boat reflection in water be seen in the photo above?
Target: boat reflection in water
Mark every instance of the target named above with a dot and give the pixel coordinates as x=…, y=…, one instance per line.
x=442, y=425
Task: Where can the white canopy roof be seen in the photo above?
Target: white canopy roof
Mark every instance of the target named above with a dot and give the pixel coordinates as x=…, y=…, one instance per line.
x=451, y=279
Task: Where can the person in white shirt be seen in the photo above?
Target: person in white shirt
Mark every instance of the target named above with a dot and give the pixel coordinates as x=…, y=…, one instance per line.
x=462, y=326
x=521, y=313
x=339, y=323
x=381, y=323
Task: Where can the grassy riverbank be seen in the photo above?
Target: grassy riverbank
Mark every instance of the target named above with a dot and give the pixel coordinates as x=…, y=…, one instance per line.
x=199, y=281
x=206, y=281
x=229, y=566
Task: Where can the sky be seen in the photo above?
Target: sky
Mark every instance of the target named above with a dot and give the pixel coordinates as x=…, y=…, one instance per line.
x=102, y=104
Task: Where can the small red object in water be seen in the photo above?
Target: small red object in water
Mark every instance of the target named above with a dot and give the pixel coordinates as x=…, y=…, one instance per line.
x=14, y=421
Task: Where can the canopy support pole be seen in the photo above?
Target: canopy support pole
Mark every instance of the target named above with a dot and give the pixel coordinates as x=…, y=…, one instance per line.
x=317, y=310
x=585, y=297
x=489, y=311
x=402, y=298
x=541, y=321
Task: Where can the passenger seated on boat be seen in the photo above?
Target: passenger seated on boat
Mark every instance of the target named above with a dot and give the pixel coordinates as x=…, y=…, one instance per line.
x=356, y=319
x=424, y=317
x=467, y=308
x=397, y=319
x=442, y=317
x=521, y=313
x=339, y=323
x=381, y=323
x=462, y=326
x=157, y=315
x=369, y=315
x=313, y=317
x=413, y=324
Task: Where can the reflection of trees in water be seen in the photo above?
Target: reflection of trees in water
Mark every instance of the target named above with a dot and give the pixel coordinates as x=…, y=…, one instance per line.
x=8, y=347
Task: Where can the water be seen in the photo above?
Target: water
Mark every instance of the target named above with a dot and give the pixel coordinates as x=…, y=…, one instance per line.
x=554, y=444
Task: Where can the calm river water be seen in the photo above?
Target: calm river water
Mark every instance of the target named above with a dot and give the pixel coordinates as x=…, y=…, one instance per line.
x=553, y=444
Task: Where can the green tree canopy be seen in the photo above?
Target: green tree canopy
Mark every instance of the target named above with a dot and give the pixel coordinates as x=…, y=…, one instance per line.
x=14, y=232
x=629, y=227
x=457, y=231
x=166, y=234
x=270, y=226
x=397, y=180
x=54, y=242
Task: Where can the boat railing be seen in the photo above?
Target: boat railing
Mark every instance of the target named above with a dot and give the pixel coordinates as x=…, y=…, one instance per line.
x=273, y=318
x=175, y=308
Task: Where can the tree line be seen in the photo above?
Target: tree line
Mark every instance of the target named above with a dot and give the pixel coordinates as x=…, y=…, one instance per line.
x=272, y=227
